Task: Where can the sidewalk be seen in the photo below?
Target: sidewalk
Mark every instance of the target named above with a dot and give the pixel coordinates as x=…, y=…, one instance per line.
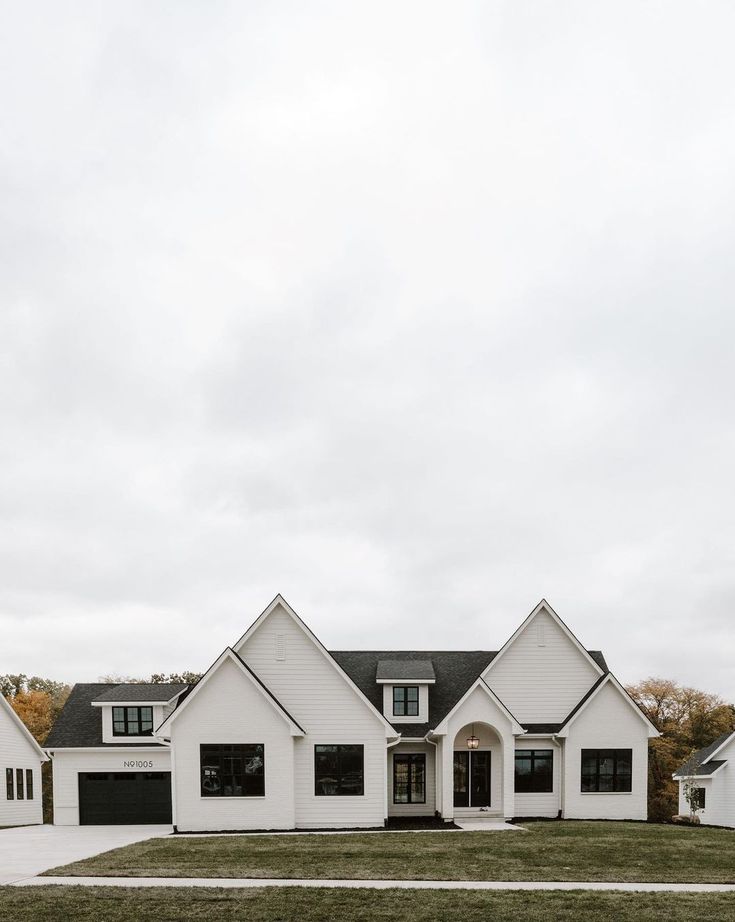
x=252, y=882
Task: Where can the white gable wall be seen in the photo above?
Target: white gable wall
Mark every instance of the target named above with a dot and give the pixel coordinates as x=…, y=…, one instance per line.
x=543, y=674
x=230, y=709
x=607, y=722
x=720, y=797
x=16, y=751
x=323, y=703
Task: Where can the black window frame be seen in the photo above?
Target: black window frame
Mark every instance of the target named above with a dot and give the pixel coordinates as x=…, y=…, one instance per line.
x=701, y=798
x=19, y=790
x=412, y=758
x=9, y=784
x=337, y=776
x=29, y=784
x=250, y=784
x=406, y=703
x=126, y=720
x=622, y=782
x=538, y=782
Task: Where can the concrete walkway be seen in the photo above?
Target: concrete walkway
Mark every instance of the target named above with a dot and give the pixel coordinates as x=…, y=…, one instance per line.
x=236, y=883
x=28, y=850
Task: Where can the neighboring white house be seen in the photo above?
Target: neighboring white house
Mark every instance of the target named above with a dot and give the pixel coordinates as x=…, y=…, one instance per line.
x=711, y=771
x=281, y=733
x=20, y=762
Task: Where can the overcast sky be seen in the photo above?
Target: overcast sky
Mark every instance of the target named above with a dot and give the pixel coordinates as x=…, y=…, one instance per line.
x=413, y=312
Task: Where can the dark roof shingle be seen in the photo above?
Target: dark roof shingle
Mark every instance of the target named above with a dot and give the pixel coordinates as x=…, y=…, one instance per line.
x=404, y=669
x=135, y=691
x=697, y=759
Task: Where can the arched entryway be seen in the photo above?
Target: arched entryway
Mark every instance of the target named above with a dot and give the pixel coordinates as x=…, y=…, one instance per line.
x=477, y=767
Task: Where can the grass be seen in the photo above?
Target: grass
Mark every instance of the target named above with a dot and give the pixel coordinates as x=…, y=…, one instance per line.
x=108, y=904
x=571, y=851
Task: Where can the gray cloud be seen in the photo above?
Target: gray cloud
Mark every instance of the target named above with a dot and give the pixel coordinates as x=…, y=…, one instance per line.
x=414, y=315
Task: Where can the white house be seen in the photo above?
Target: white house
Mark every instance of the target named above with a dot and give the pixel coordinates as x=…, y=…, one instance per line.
x=281, y=733
x=711, y=772
x=20, y=760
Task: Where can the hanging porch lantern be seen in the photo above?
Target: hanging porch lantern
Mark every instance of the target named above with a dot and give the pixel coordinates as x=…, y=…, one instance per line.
x=472, y=741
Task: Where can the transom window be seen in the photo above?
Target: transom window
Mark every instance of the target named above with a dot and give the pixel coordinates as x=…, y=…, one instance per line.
x=409, y=778
x=607, y=771
x=232, y=769
x=405, y=700
x=534, y=771
x=339, y=770
x=132, y=721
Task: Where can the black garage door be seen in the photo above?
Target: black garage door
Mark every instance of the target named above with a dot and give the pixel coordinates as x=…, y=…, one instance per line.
x=124, y=797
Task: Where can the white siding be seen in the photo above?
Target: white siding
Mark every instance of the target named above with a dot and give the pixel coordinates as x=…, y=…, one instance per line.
x=17, y=752
x=429, y=807
x=67, y=764
x=420, y=718
x=230, y=709
x=323, y=703
x=541, y=804
x=608, y=722
x=720, y=797
x=541, y=683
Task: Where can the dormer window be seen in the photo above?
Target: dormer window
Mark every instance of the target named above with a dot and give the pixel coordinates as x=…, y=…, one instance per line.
x=405, y=700
x=132, y=721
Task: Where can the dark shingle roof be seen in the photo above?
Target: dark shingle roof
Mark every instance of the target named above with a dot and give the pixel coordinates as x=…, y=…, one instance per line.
x=80, y=724
x=454, y=670
x=133, y=691
x=599, y=659
x=698, y=758
x=405, y=669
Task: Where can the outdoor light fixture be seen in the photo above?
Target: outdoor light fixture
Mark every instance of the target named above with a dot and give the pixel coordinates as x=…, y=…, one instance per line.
x=472, y=741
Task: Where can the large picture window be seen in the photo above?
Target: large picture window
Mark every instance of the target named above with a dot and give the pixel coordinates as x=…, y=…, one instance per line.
x=132, y=721
x=339, y=770
x=9, y=784
x=405, y=700
x=534, y=771
x=409, y=779
x=232, y=769
x=607, y=771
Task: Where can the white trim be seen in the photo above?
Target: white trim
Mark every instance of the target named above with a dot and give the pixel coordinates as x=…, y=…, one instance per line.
x=543, y=605
x=442, y=727
x=279, y=600
x=719, y=748
x=229, y=654
x=107, y=747
x=405, y=681
x=24, y=730
x=609, y=680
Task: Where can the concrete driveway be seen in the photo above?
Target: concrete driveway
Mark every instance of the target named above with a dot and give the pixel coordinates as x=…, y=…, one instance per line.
x=28, y=850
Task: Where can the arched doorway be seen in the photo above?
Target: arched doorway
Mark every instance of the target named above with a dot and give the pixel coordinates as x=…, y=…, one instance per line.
x=477, y=769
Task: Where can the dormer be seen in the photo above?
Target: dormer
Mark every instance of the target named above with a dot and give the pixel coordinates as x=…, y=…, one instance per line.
x=405, y=689
x=131, y=713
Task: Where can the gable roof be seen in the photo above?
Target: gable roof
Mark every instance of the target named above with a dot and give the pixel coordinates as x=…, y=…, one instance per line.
x=403, y=669
x=543, y=606
x=701, y=760
x=480, y=683
x=160, y=693
x=607, y=679
x=229, y=654
x=22, y=729
x=280, y=601
x=79, y=725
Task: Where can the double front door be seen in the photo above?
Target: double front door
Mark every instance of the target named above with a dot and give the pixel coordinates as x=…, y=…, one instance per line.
x=472, y=778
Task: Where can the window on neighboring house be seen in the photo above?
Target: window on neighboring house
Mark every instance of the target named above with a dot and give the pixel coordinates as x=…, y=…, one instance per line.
x=339, y=770
x=132, y=721
x=19, y=783
x=409, y=779
x=232, y=769
x=29, y=784
x=9, y=784
x=405, y=700
x=534, y=771
x=607, y=771
x=699, y=796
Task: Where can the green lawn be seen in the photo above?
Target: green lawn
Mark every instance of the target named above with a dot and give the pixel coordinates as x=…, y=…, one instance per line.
x=575, y=851
x=108, y=904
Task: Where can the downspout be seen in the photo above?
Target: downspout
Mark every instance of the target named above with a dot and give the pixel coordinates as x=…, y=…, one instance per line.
x=437, y=773
x=562, y=773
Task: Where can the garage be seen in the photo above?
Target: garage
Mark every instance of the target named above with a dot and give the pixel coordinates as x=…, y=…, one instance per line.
x=120, y=798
